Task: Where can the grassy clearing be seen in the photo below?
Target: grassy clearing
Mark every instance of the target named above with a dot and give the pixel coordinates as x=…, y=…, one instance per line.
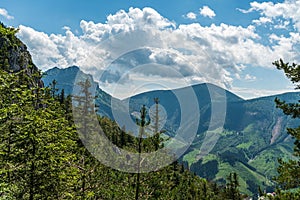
x=245, y=145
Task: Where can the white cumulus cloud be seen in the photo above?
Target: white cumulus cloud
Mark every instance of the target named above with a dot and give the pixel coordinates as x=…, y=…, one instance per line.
x=207, y=12
x=191, y=15
x=4, y=13
x=262, y=20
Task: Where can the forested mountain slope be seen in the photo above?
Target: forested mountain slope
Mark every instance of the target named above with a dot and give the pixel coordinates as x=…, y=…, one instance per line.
x=250, y=141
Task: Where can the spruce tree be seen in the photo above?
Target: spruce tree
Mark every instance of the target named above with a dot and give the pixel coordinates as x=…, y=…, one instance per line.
x=157, y=132
x=289, y=171
x=231, y=190
x=142, y=123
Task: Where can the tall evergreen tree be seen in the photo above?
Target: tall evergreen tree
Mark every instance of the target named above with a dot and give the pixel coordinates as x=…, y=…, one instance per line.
x=53, y=88
x=85, y=162
x=157, y=132
x=142, y=123
x=289, y=171
x=231, y=190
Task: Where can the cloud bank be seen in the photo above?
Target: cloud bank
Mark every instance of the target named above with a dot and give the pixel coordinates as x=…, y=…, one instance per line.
x=289, y=10
x=141, y=45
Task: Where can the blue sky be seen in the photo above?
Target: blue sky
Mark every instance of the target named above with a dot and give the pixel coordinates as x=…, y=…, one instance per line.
x=230, y=43
x=51, y=16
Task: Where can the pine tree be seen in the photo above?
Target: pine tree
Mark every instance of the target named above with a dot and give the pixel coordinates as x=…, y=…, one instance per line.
x=92, y=174
x=289, y=171
x=53, y=88
x=156, y=131
x=62, y=96
x=231, y=190
x=142, y=123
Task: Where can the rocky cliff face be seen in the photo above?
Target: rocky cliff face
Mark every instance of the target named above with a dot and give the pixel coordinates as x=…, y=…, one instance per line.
x=15, y=57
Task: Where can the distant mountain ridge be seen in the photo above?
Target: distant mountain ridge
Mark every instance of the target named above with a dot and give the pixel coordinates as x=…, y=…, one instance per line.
x=251, y=139
x=66, y=79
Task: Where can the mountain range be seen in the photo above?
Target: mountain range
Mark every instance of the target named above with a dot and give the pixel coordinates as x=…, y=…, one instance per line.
x=232, y=134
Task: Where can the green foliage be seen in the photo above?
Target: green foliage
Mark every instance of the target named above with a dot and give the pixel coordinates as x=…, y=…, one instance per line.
x=4, y=31
x=231, y=190
x=289, y=171
x=292, y=71
x=8, y=42
x=34, y=143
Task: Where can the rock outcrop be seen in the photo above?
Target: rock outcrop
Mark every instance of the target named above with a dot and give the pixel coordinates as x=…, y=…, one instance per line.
x=14, y=56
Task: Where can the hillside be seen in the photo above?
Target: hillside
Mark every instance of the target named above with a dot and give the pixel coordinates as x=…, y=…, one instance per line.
x=252, y=139
x=249, y=143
